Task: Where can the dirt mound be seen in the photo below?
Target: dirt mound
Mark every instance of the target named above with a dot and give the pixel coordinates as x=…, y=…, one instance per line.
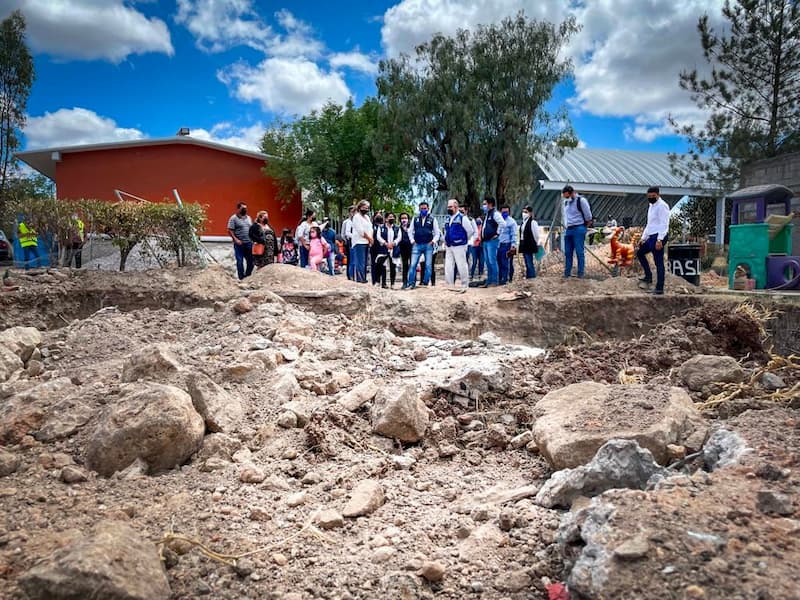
x=279, y=276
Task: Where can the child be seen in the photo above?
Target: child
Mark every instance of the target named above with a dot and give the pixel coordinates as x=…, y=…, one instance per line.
x=289, y=255
x=318, y=248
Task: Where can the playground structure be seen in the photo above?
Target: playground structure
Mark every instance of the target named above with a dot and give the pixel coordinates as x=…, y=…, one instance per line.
x=761, y=239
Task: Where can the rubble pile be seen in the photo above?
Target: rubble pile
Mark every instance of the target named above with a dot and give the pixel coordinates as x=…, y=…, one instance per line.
x=278, y=439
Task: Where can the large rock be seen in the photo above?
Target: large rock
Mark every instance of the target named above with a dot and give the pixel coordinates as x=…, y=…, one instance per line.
x=357, y=397
x=221, y=411
x=9, y=363
x=114, y=563
x=575, y=421
x=25, y=412
x=705, y=369
x=22, y=341
x=149, y=362
x=9, y=463
x=399, y=414
x=154, y=422
x=64, y=419
x=618, y=464
x=474, y=384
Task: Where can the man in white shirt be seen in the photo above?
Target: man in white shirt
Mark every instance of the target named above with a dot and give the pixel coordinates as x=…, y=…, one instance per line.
x=458, y=231
x=347, y=236
x=654, y=239
x=362, y=240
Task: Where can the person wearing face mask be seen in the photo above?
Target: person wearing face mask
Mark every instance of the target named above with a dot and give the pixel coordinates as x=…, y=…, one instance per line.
x=347, y=235
x=424, y=236
x=475, y=250
x=458, y=230
x=301, y=236
x=404, y=246
x=507, y=247
x=529, y=241
x=388, y=236
x=238, y=228
x=490, y=240
x=578, y=218
x=654, y=239
x=362, y=240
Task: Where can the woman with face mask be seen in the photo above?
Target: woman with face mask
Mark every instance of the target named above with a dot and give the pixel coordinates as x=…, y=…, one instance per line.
x=404, y=246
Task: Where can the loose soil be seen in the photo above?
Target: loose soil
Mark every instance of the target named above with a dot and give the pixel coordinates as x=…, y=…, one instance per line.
x=331, y=335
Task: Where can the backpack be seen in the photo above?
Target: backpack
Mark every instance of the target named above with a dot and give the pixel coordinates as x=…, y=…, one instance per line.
x=489, y=226
x=579, y=199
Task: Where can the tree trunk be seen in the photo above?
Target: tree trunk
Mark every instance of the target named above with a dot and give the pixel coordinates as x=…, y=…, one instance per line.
x=473, y=199
x=123, y=257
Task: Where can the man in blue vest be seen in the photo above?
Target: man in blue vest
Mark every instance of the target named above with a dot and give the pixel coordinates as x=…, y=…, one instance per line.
x=458, y=230
x=490, y=240
x=424, y=236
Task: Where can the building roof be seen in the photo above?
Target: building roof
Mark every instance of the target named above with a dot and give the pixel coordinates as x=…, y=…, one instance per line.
x=44, y=159
x=592, y=170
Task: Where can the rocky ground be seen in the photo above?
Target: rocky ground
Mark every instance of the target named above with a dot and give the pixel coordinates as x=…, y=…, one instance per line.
x=179, y=434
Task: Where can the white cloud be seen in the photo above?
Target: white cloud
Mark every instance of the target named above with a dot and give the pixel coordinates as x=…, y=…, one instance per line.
x=285, y=85
x=247, y=138
x=412, y=22
x=627, y=56
x=298, y=40
x=218, y=25
x=90, y=29
x=355, y=60
x=74, y=126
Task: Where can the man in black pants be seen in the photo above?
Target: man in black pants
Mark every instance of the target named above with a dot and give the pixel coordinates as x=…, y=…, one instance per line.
x=654, y=239
x=405, y=246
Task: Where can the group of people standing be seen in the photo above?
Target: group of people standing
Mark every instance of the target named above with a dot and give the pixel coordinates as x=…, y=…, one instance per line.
x=489, y=241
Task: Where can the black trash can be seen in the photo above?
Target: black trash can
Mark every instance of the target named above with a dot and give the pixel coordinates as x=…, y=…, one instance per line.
x=684, y=261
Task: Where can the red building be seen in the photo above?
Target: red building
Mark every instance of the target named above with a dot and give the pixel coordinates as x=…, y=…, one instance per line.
x=207, y=173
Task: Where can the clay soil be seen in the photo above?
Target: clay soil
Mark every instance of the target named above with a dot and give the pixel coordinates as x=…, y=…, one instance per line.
x=444, y=506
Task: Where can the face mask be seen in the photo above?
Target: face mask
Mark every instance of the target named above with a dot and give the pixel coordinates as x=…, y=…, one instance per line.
x=450, y=211
x=243, y=211
x=525, y=215
x=404, y=222
x=423, y=212
x=652, y=200
x=379, y=221
x=485, y=208
x=364, y=211
x=505, y=214
x=391, y=221
x=479, y=221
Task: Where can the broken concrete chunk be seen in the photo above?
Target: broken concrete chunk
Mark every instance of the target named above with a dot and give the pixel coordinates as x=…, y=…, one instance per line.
x=705, y=369
x=367, y=497
x=220, y=410
x=399, y=413
x=149, y=362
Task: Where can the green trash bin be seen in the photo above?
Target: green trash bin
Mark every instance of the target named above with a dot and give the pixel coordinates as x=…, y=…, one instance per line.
x=684, y=261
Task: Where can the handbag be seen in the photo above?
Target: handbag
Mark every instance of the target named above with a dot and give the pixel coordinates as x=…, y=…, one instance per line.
x=258, y=249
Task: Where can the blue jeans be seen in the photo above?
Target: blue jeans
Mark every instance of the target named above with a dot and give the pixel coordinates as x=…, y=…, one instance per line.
x=303, y=256
x=359, y=253
x=574, y=239
x=648, y=246
x=30, y=255
x=506, y=268
x=331, y=258
x=244, y=255
x=530, y=266
x=416, y=251
x=475, y=256
x=490, y=260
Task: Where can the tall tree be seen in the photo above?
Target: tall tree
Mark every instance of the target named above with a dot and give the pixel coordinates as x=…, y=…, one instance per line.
x=473, y=108
x=752, y=92
x=16, y=79
x=337, y=155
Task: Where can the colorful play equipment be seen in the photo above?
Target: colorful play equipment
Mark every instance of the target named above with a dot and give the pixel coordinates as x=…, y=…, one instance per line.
x=761, y=238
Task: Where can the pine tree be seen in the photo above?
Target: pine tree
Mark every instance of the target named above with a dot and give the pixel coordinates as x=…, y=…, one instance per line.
x=752, y=92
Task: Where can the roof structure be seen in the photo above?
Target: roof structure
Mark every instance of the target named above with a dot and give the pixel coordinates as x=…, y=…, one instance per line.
x=614, y=181
x=44, y=160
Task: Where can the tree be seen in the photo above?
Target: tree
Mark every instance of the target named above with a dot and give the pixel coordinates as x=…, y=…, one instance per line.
x=16, y=79
x=337, y=155
x=472, y=108
x=752, y=92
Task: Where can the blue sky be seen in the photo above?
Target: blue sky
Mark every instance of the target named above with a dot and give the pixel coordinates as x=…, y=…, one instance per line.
x=124, y=69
